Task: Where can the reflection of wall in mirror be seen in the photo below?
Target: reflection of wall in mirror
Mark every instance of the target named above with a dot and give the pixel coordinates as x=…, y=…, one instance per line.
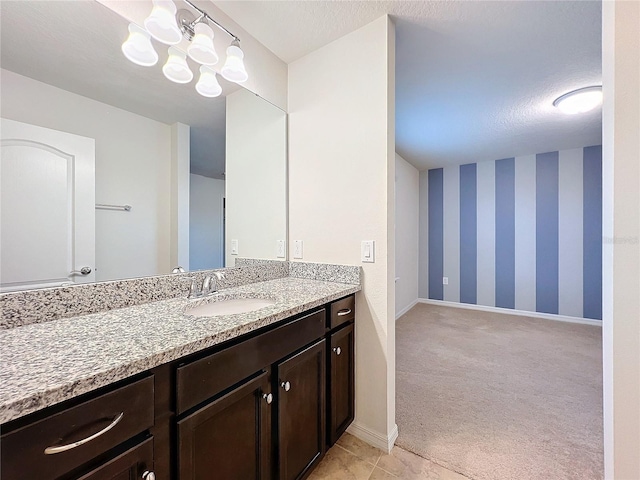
x=133, y=166
x=256, y=176
x=205, y=223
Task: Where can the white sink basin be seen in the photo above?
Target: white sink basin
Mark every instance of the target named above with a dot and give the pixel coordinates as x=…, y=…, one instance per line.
x=230, y=306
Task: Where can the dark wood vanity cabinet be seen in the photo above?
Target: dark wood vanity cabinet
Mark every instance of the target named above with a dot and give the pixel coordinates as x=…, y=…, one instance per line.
x=65, y=443
x=340, y=368
x=132, y=464
x=263, y=406
x=301, y=411
x=341, y=382
x=230, y=437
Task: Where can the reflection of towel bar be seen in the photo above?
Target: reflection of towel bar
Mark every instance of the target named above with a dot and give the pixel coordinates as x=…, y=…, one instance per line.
x=105, y=206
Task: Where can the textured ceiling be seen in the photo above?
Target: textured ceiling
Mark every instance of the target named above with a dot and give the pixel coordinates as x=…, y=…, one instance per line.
x=474, y=79
x=75, y=45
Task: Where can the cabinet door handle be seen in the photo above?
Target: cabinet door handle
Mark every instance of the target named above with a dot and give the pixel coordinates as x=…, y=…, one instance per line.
x=286, y=386
x=338, y=350
x=69, y=446
x=148, y=475
x=344, y=311
x=267, y=398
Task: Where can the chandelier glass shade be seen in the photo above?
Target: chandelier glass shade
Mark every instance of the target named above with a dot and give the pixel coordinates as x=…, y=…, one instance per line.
x=138, y=47
x=208, y=85
x=162, y=24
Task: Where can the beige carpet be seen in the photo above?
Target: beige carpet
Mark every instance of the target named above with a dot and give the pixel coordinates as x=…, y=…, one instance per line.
x=500, y=397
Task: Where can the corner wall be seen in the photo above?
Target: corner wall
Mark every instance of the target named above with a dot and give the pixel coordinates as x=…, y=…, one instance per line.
x=621, y=250
x=341, y=191
x=406, y=231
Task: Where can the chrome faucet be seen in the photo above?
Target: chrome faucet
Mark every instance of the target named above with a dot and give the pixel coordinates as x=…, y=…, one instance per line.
x=209, y=285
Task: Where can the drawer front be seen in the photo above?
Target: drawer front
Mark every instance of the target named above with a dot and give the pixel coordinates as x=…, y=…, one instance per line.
x=97, y=425
x=342, y=311
x=205, y=378
x=131, y=464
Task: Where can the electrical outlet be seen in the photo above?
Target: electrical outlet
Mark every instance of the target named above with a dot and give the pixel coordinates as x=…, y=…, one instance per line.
x=297, y=249
x=234, y=247
x=445, y=280
x=281, y=251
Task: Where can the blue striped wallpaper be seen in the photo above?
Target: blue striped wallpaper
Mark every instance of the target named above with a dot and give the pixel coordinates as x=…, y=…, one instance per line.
x=529, y=228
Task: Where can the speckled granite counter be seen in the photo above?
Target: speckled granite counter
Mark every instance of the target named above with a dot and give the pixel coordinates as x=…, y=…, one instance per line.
x=47, y=363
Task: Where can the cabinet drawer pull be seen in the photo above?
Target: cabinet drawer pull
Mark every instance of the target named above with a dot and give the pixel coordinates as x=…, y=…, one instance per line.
x=344, y=311
x=267, y=398
x=286, y=386
x=338, y=350
x=69, y=446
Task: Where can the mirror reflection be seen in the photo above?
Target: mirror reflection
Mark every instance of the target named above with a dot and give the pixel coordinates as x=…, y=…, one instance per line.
x=111, y=171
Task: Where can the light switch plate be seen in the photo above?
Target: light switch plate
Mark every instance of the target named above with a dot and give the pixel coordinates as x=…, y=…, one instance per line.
x=445, y=280
x=367, y=251
x=297, y=249
x=281, y=249
x=234, y=247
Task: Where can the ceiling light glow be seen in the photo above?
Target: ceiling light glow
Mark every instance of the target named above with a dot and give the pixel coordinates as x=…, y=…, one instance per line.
x=580, y=101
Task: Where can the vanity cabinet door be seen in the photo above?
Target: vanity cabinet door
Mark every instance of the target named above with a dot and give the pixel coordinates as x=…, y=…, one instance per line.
x=341, y=396
x=136, y=463
x=301, y=411
x=230, y=438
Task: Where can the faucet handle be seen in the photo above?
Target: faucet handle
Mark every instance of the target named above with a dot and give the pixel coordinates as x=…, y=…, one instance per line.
x=193, y=289
x=207, y=283
x=219, y=275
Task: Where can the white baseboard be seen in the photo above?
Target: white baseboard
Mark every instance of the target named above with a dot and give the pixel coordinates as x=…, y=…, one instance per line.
x=509, y=311
x=405, y=310
x=375, y=439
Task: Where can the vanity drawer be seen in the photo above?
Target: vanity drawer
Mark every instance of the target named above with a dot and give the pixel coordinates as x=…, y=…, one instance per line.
x=205, y=378
x=342, y=311
x=58, y=444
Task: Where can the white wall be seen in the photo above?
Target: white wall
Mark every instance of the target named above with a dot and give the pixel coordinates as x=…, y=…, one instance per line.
x=180, y=171
x=205, y=223
x=133, y=166
x=341, y=191
x=407, y=248
x=621, y=228
x=256, y=176
x=267, y=73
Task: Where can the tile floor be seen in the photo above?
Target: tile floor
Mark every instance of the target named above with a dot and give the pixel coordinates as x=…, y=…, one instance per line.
x=352, y=459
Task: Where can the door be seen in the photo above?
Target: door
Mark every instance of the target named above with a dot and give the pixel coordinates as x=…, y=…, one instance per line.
x=341, y=382
x=301, y=411
x=47, y=207
x=230, y=438
x=135, y=463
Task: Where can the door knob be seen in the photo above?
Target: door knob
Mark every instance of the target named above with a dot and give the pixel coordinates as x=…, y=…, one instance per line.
x=286, y=386
x=82, y=271
x=267, y=398
x=148, y=475
x=338, y=350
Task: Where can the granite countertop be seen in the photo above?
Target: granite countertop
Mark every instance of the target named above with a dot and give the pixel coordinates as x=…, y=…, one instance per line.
x=47, y=363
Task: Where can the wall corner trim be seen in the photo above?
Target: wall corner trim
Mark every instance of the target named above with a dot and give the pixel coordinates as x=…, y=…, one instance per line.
x=509, y=311
x=375, y=439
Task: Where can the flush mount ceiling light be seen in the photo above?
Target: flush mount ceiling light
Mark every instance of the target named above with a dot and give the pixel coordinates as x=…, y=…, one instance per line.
x=170, y=26
x=580, y=100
